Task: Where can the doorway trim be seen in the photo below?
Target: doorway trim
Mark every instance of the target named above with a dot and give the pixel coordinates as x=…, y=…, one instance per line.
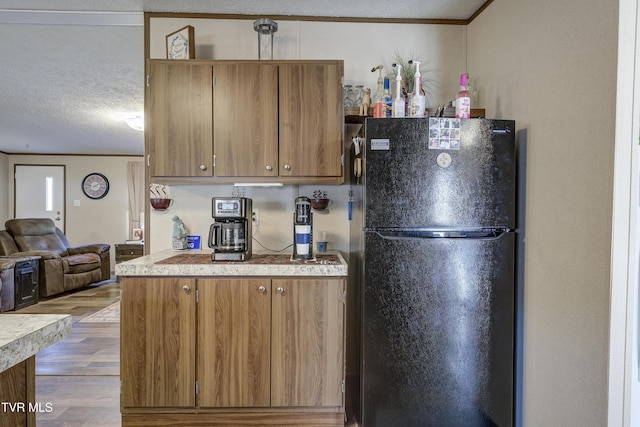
x=624, y=384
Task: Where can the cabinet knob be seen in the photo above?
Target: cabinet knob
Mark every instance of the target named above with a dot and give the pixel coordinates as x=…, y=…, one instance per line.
x=203, y=167
x=186, y=288
x=287, y=167
x=280, y=290
x=262, y=289
x=269, y=168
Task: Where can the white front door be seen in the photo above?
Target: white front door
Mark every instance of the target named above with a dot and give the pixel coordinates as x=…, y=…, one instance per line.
x=39, y=192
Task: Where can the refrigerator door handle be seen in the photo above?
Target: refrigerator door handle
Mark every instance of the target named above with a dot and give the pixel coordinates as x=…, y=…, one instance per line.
x=439, y=234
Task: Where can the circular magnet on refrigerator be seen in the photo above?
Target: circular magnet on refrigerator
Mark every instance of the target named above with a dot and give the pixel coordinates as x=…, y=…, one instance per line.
x=443, y=160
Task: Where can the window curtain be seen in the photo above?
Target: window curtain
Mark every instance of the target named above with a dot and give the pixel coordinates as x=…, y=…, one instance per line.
x=135, y=183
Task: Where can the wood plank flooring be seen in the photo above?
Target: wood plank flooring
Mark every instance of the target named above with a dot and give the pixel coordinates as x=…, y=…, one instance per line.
x=80, y=375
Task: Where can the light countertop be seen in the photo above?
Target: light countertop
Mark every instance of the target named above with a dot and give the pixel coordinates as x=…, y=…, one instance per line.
x=23, y=335
x=198, y=263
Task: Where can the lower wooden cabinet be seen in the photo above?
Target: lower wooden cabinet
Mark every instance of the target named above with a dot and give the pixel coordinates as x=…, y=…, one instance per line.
x=232, y=351
x=234, y=341
x=18, y=395
x=157, y=342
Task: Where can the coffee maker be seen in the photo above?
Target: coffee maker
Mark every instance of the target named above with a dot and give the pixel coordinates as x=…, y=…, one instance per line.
x=302, y=230
x=230, y=235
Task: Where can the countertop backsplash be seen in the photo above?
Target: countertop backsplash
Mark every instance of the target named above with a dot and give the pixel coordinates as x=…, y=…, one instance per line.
x=192, y=203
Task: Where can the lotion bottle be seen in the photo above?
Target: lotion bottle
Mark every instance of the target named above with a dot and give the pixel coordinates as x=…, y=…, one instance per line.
x=417, y=103
x=398, y=102
x=463, y=100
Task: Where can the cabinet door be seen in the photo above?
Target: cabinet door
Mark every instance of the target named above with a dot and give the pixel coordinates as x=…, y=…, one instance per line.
x=311, y=119
x=157, y=351
x=179, y=116
x=233, y=342
x=246, y=119
x=307, y=357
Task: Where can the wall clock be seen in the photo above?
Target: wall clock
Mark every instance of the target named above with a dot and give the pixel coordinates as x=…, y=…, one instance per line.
x=95, y=185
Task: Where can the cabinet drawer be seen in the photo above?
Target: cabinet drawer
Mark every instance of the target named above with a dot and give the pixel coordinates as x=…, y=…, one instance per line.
x=126, y=252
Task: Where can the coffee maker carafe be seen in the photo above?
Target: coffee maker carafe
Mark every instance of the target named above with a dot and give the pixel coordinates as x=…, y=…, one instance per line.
x=230, y=235
x=303, y=230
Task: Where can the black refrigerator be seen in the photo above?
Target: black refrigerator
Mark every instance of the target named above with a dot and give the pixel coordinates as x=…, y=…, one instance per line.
x=438, y=209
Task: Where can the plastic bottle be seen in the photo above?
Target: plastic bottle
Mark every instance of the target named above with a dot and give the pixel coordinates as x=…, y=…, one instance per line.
x=399, y=101
x=379, y=105
x=417, y=102
x=463, y=99
x=386, y=97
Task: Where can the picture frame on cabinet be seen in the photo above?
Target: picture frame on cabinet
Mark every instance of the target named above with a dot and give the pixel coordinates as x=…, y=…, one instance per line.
x=181, y=44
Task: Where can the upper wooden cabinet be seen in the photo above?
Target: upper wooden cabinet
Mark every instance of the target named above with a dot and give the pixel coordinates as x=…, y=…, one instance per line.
x=311, y=119
x=179, y=123
x=245, y=111
x=264, y=121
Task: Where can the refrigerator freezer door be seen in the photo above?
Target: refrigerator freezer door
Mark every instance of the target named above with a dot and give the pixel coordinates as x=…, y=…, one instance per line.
x=409, y=184
x=438, y=331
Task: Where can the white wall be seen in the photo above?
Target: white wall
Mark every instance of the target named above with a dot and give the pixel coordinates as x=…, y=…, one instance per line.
x=103, y=220
x=361, y=46
x=551, y=66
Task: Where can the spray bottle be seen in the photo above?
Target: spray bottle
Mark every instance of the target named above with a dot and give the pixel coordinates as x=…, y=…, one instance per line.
x=417, y=103
x=398, y=102
x=379, y=106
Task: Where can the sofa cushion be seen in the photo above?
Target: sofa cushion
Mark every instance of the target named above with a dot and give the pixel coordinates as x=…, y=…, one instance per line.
x=36, y=234
x=7, y=244
x=80, y=263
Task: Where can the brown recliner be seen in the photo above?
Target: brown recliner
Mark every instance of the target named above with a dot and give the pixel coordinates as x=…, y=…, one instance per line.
x=62, y=267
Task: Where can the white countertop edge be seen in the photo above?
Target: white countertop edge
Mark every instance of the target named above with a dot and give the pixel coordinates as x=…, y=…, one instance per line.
x=146, y=266
x=23, y=335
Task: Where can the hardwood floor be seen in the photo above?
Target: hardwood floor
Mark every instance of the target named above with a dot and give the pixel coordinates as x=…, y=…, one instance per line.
x=79, y=376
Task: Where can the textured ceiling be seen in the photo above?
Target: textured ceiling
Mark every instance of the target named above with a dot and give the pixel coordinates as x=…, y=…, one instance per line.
x=66, y=78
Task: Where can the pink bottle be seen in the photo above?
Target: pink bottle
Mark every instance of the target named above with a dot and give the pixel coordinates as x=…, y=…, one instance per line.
x=463, y=99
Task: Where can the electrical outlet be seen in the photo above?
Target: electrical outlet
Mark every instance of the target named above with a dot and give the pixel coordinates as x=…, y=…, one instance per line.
x=255, y=217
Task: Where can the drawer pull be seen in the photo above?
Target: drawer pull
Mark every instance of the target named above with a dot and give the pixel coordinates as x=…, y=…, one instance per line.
x=280, y=290
x=262, y=289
